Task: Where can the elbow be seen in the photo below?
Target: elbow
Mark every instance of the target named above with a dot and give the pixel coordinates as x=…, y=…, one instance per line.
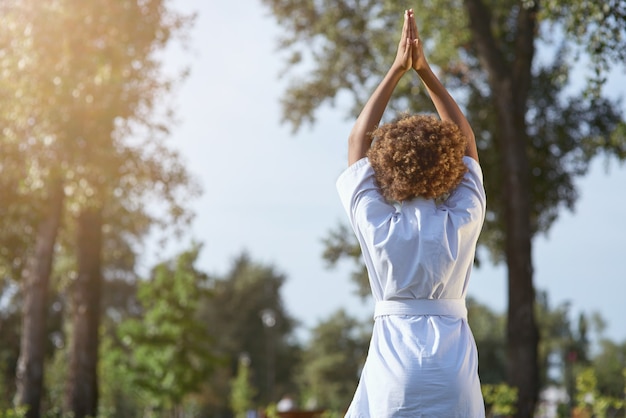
x=358, y=144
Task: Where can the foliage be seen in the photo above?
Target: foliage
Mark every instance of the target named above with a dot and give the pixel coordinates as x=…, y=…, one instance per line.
x=19, y=412
x=168, y=350
x=564, y=348
x=82, y=94
x=489, y=330
x=341, y=243
x=117, y=392
x=229, y=314
x=54, y=379
x=332, y=414
x=242, y=393
x=589, y=402
x=607, y=364
x=499, y=399
x=9, y=349
x=332, y=361
x=597, y=28
x=335, y=36
x=10, y=316
x=271, y=411
x=246, y=296
x=84, y=101
x=119, y=302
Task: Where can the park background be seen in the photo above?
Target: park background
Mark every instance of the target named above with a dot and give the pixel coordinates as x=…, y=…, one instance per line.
x=176, y=341
x=272, y=193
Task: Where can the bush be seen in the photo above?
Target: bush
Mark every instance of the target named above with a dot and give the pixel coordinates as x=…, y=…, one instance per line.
x=19, y=412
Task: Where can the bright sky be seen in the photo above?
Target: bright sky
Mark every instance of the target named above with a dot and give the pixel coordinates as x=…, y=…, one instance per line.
x=273, y=194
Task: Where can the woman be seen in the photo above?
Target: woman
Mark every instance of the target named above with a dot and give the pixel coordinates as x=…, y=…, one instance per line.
x=416, y=202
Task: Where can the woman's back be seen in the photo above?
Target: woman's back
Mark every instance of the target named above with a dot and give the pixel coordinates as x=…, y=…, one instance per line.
x=415, y=249
x=422, y=359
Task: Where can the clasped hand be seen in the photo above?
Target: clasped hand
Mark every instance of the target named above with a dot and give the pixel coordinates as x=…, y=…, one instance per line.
x=410, y=52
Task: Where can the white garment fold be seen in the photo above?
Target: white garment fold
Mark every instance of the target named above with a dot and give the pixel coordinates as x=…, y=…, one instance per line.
x=439, y=307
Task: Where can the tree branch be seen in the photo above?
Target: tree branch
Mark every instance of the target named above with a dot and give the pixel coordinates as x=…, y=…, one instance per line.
x=524, y=51
x=489, y=52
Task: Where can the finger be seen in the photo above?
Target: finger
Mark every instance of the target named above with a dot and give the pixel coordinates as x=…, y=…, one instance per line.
x=411, y=24
x=406, y=26
x=416, y=33
x=407, y=53
x=412, y=27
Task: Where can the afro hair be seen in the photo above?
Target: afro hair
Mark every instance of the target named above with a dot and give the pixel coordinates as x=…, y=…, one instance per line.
x=417, y=155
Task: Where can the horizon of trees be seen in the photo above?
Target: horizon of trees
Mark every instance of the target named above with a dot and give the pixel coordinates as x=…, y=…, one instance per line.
x=174, y=343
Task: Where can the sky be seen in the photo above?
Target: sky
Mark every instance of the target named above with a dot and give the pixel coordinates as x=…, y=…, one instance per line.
x=272, y=194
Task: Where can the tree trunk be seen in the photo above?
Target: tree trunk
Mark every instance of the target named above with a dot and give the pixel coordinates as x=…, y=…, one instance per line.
x=522, y=334
x=81, y=394
x=35, y=280
x=510, y=80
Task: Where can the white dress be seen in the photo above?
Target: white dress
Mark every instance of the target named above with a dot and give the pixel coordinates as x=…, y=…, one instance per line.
x=422, y=359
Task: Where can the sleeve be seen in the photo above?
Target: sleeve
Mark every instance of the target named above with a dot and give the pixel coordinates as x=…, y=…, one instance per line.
x=468, y=200
x=361, y=197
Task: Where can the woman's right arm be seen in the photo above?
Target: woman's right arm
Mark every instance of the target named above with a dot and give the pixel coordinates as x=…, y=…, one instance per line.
x=446, y=107
x=360, y=138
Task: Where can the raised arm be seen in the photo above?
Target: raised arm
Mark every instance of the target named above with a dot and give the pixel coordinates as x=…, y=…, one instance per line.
x=360, y=138
x=446, y=107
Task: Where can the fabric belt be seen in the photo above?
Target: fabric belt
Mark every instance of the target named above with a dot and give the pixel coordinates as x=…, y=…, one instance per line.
x=442, y=307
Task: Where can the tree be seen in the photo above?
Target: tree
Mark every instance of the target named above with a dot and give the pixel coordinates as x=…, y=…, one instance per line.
x=332, y=361
x=590, y=402
x=246, y=317
x=35, y=286
x=489, y=330
x=10, y=321
x=242, y=393
x=535, y=134
x=168, y=350
x=9, y=351
x=35, y=265
x=82, y=94
x=341, y=244
x=609, y=365
x=81, y=396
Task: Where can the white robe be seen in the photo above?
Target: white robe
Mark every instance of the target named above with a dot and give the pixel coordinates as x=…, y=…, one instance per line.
x=422, y=359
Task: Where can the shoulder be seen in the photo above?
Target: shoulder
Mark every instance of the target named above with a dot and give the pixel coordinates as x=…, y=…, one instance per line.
x=474, y=168
x=356, y=171
x=469, y=196
x=361, y=196
x=355, y=179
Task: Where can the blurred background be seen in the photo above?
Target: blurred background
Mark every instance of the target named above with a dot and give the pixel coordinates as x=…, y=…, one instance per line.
x=172, y=240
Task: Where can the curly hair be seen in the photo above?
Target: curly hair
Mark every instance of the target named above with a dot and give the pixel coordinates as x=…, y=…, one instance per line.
x=417, y=155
